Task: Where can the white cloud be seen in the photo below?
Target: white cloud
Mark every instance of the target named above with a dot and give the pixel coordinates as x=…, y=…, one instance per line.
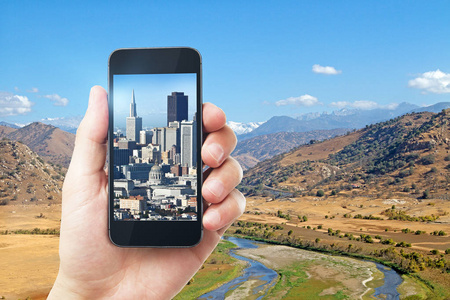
x=363, y=104
x=325, y=70
x=11, y=105
x=33, y=90
x=436, y=82
x=304, y=100
x=57, y=100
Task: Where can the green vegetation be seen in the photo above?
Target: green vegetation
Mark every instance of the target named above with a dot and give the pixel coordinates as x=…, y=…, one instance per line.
x=218, y=269
x=320, y=193
x=401, y=215
x=294, y=284
x=280, y=214
x=47, y=231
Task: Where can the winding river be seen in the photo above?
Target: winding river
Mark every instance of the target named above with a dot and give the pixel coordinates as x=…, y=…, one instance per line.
x=266, y=277
x=391, y=281
x=255, y=270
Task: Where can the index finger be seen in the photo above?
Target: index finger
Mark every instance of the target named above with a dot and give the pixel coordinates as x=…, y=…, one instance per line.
x=213, y=117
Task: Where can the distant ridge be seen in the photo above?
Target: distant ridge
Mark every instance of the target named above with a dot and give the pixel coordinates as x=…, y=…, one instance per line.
x=51, y=143
x=3, y=123
x=435, y=108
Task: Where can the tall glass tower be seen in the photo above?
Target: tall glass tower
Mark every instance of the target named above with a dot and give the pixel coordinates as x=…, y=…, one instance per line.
x=177, y=107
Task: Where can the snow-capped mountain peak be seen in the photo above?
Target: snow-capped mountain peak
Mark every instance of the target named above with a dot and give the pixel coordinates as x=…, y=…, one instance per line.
x=241, y=128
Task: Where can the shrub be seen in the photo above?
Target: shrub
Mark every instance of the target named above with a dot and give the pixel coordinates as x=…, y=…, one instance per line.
x=388, y=242
x=427, y=160
x=434, y=251
x=426, y=194
x=320, y=193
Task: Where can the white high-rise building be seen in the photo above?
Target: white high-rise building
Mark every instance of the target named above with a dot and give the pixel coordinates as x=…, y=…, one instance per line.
x=188, y=145
x=134, y=123
x=146, y=137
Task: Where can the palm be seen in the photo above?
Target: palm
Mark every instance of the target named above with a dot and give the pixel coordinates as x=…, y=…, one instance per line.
x=90, y=258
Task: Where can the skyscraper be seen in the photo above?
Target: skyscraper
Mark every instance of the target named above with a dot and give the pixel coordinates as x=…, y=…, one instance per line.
x=177, y=107
x=189, y=144
x=134, y=123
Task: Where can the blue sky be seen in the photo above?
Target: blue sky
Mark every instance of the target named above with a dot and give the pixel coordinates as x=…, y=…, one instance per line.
x=150, y=93
x=258, y=56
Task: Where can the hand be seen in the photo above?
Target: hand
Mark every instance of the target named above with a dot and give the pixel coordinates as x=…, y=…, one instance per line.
x=91, y=266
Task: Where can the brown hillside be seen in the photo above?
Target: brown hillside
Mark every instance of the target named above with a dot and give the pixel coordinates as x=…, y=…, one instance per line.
x=51, y=143
x=5, y=130
x=318, y=151
x=25, y=178
x=251, y=151
x=403, y=157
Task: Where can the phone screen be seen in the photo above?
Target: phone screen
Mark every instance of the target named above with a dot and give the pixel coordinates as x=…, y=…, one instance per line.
x=155, y=147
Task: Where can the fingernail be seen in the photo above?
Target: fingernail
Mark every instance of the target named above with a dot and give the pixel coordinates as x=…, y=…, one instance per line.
x=216, y=151
x=215, y=187
x=212, y=218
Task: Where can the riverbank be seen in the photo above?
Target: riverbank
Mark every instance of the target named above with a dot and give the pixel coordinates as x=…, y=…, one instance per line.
x=218, y=269
x=308, y=275
x=305, y=274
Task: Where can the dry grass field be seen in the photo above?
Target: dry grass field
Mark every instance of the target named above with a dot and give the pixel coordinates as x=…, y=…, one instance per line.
x=330, y=212
x=29, y=262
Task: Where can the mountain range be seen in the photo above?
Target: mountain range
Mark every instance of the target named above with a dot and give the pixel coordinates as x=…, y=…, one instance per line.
x=344, y=118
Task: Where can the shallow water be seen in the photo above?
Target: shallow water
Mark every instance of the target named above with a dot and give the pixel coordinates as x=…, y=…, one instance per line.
x=391, y=281
x=254, y=270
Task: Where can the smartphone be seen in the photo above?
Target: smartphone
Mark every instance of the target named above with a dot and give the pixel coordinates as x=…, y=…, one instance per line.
x=154, y=143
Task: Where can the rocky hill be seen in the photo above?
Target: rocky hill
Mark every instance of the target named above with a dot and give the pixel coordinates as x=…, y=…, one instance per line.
x=51, y=143
x=251, y=151
x=408, y=156
x=26, y=178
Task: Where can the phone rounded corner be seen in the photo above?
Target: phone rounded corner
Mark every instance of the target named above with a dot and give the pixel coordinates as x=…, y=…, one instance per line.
x=111, y=239
x=200, y=238
x=113, y=54
x=196, y=51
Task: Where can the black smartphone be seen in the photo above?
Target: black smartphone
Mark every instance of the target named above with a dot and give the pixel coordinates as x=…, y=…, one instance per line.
x=155, y=137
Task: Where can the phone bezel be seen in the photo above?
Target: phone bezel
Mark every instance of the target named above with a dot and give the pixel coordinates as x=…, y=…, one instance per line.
x=162, y=233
